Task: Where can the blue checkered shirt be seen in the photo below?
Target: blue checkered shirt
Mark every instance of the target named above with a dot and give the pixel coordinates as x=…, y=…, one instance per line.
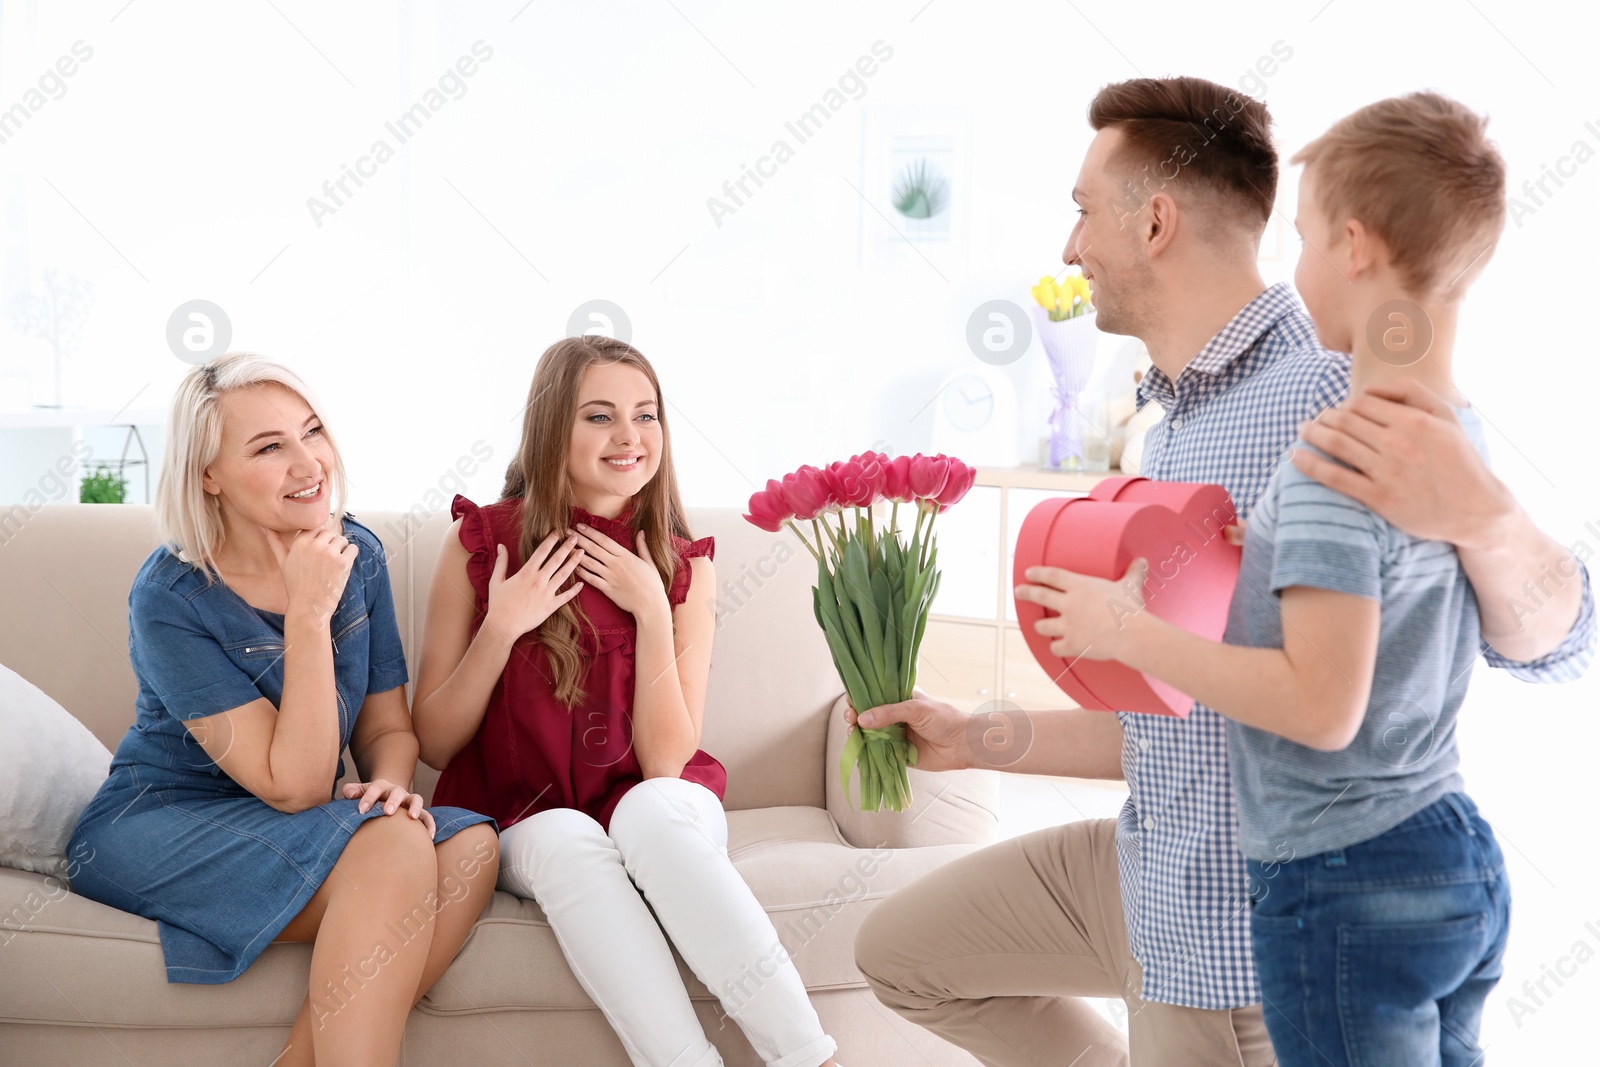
x=1231, y=417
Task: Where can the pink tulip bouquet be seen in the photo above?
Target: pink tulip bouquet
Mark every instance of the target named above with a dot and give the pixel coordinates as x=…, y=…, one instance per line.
x=873, y=589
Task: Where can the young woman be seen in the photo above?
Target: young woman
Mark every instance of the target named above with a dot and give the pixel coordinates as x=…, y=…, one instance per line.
x=572, y=714
x=263, y=638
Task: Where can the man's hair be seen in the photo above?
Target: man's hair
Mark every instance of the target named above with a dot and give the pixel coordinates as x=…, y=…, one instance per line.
x=1419, y=172
x=1198, y=133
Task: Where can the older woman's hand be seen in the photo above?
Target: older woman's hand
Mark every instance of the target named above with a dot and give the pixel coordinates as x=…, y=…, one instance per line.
x=393, y=797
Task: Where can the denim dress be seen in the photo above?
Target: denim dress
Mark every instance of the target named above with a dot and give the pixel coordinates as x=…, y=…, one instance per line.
x=170, y=836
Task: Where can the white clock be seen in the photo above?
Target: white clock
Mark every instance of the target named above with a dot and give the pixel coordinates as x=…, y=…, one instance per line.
x=975, y=417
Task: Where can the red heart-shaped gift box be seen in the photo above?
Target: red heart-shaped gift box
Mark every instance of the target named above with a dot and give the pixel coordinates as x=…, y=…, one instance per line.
x=1175, y=526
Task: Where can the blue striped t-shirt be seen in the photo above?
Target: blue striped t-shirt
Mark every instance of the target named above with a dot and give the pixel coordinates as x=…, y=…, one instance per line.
x=1296, y=801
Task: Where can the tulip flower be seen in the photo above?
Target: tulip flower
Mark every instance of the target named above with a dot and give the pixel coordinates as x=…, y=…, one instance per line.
x=928, y=474
x=806, y=491
x=769, y=509
x=1065, y=300
x=873, y=473
x=897, y=481
x=849, y=484
x=956, y=485
x=1081, y=296
x=874, y=590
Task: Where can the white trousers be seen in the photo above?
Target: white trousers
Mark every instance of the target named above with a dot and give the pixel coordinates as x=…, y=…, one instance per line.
x=668, y=842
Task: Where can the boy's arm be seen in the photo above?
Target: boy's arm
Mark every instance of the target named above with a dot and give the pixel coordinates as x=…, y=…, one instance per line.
x=1318, y=567
x=1312, y=691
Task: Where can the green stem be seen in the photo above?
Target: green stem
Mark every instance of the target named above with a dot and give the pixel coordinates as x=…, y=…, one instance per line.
x=790, y=523
x=833, y=538
x=926, y=541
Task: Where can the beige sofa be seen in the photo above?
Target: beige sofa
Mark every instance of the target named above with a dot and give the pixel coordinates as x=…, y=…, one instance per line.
x=83, y=984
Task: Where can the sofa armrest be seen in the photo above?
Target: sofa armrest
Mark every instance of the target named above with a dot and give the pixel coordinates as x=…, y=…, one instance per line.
x=947, y=807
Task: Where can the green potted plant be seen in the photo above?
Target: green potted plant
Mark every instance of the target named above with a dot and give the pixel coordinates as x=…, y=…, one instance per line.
x=103, y=485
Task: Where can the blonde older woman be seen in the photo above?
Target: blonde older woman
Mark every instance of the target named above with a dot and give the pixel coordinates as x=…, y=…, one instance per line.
x=264, y=640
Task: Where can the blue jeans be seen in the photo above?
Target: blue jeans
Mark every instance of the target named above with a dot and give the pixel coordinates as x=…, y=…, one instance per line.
x=1384, y=952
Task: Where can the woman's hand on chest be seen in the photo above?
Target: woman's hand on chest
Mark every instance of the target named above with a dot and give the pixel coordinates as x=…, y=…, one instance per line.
x=525, y=600
x=630, y=581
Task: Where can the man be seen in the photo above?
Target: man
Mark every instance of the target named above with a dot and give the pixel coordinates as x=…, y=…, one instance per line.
x=993, y=951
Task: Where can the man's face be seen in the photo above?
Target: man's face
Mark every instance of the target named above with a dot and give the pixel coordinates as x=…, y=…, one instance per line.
x=1105, y=242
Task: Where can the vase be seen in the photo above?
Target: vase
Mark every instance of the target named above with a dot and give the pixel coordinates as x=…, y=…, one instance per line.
x=1079, y=424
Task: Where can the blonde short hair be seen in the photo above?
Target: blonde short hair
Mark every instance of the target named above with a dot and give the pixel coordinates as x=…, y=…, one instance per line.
x=189, y=519
x=1418, y=171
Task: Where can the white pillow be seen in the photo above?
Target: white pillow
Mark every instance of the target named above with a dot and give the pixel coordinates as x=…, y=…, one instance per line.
x=50, y=768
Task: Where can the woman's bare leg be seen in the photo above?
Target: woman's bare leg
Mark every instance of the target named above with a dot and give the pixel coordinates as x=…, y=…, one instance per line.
x=467, y=866
x=297, y=1051
x=373, y=921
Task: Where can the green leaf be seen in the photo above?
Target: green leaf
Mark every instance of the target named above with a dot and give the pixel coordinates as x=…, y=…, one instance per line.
x=858, y=584
x=869, y=779
x=894, y=775
x=922, y=620
x=843, y=615
x=879, y=768
x=882, y=602
x=904, y=632
x=854, y=745
x=920, y=192
x=844, y=661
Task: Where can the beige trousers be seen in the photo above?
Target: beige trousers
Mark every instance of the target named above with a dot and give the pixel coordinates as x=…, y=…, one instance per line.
x=993, y=952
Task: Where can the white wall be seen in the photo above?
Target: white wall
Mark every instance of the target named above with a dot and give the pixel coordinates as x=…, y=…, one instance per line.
x=577, y=165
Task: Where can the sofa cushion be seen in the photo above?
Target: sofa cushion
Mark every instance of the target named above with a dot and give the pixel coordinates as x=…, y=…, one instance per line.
x=50, y=768
x=73, y=961
x=70, y=960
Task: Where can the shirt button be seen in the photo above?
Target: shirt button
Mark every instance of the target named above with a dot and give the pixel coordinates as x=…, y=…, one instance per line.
x=1177, y=424
x=1149, y=822
x=1144, y=744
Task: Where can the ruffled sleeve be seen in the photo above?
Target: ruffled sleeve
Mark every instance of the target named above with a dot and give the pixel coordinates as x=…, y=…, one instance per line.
x=477, y=537
x=687, y=550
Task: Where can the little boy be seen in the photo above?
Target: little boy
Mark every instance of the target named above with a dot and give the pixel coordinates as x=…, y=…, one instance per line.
x=1380, y=900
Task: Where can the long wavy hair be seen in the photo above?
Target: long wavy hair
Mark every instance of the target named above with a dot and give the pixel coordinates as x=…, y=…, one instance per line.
x=538, y=477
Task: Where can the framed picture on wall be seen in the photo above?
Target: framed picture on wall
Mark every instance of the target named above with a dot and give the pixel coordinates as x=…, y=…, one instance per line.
x=915, y=189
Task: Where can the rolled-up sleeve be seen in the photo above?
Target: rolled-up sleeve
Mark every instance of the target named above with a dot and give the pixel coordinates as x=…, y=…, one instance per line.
x=1568, y=661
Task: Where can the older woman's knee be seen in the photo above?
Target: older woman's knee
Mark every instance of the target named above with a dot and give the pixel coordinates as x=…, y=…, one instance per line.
x=395, y=846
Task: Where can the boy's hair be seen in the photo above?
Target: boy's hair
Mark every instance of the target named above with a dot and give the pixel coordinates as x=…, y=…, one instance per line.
x=1419, y=172
x=1198, y=133
x=538, y=477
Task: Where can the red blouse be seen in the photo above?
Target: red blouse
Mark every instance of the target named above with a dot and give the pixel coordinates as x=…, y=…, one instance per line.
x=530, y=752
